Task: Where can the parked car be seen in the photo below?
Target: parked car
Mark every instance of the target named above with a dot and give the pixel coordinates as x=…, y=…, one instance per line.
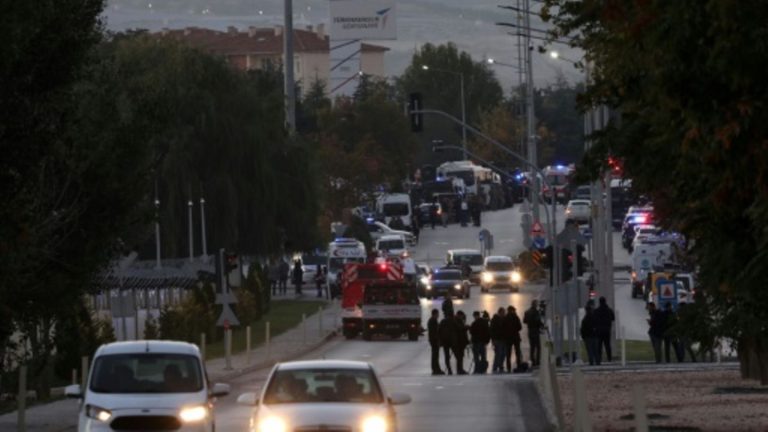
x=147, y=385
x=323, y=395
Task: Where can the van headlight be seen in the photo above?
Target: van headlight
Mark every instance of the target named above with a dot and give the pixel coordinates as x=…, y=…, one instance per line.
x=98, y=413
x=516, y=276
x=193, y=414
x=375, y=423
x=487, y=277
x=272, y=424
x=457, y=286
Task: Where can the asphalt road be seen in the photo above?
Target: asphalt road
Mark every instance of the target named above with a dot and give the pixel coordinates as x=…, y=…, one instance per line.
x=447, y=403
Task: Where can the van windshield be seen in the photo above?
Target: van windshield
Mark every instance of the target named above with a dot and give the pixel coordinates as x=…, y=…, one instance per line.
x=395, y=209
x=499, y=266
x=469, y=259
x=146, y=373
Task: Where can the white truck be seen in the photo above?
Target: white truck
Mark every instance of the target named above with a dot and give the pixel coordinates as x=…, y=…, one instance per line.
x=391, y=308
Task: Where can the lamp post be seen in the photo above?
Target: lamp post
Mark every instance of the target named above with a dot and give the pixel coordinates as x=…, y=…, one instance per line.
x=463, y=105
x=202, y=228
x=521, y=104
x=191, y=235
x=158, y=264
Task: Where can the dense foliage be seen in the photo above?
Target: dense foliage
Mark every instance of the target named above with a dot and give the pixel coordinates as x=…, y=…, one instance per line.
x=688, y=78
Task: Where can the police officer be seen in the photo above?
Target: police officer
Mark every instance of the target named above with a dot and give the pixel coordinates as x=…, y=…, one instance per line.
x=462, y=340
x=481, y=335
x=497, y=338
x=512, y=327
x=434, y=341
x=448, y=334
x=532, y=318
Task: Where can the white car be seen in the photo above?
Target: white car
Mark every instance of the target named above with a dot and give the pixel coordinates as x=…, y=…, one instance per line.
x=500, y=272
x=147, y=385
x=378, y=229
x=323, y=395
x=644, y=233
x=578, y=210
x=392, y=246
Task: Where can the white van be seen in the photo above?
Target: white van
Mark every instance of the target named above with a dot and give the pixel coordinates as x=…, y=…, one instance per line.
x=147, y=385
x=473, y=257
x=392, y=206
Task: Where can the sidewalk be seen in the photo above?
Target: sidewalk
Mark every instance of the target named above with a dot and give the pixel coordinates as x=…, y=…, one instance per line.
x=61, y=415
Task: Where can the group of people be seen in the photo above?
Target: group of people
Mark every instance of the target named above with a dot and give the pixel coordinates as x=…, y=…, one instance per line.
x=280, y=271
x=462, y=208
x=452, y=335
x=596, y=331
x=662, y=329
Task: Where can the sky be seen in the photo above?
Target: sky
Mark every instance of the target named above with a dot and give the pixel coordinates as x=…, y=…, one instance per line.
x=468, y=24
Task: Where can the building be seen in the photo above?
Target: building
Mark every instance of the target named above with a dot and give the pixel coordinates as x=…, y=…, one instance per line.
x=258, y=48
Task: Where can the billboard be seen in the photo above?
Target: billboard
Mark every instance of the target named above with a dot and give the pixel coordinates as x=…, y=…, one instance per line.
x=363, y=19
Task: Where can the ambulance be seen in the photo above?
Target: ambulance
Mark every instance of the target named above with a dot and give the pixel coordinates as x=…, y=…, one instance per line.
x=342, y=251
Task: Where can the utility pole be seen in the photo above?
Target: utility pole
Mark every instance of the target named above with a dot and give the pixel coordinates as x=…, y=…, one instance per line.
x=289, y=81
x=531, y=127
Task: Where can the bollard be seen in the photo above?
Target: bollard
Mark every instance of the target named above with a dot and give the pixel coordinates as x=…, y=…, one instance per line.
x=248, y=345
x=202, y=346
x=623, y=347
x=83, y=372
x=583, y=422
x=320, y=320
x=228, y=348
x=304, y=326
x=641, y=416
x=544, y=367
x=266, y=338
x=21, y=421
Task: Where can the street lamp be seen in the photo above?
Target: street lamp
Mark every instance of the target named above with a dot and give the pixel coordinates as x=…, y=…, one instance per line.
x=556, y=56
x=191, y=235
x=202, y=228
x=463, y=105
x=158, y=264
x=493, y=61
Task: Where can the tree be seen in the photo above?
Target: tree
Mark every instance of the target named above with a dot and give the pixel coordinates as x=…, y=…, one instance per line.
x=689, y=81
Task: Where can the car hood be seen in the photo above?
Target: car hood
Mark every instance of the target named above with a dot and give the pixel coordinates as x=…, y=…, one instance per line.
x=500, y=272
x=159, y=401
x=443, y=282
x=327, y=414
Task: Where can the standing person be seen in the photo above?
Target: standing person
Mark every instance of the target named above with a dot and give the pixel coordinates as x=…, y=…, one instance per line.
x=464, y=212
x=298, y=276
x=655, y=329
x=462, y=340
x=603, y=322
x=532, y=318
x=319, y=280
x=447, y=305
x=433, y=213
x=284, y=270
x=409, y=269
x=434, y=341
x=497, y=338
x=448, y=332
x=446, y=211
x=274, y=276
x=512, y=327
x=481, y=335
x=589, y=334
x=669, y=337
x=415, y=228
x=684, y=341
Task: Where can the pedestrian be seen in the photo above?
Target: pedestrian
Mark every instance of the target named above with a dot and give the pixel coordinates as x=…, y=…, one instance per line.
x=466, y=271
x=512, y=328
x=589, y=334
x=447, y=305
x=448, y=333
x=284, y=270
x=481, y=335
x=497, y=339
x=603, y=321
x=434, y=341
x=320, y=280
x=274, y=276
x=462, y=340
x=298, y=276
x=684, y=312
x=434, y=213
x=415, y=228
x=464, y=212
x=446, y=211
x=670, y=341
x=655, y=330
x=532, y=319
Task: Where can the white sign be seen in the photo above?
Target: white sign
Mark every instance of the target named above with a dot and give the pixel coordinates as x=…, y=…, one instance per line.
x=348, y=253
x=363, y=19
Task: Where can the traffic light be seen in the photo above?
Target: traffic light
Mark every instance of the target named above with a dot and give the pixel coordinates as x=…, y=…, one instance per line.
x=566, y=267
x=417, y=119
x=231, y=261
x=581, y=261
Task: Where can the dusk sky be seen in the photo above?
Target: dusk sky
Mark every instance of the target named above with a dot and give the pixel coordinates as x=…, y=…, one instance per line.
x=470, y=25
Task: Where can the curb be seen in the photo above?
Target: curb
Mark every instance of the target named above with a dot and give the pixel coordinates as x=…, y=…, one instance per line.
x=236, y=373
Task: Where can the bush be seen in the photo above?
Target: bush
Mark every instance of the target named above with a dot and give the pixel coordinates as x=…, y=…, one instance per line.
x=185, y=322
x=151, y=330
x=78, y=334
x=247, y=307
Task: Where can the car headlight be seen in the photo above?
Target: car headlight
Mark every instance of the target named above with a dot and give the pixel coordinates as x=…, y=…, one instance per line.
x=375, y=423
x=193, y=414
x=272, y=424
x=98, y=413
x=516, y=276
x=429, y=287
x=487, y=277
x=457, y=286
x=424, y=280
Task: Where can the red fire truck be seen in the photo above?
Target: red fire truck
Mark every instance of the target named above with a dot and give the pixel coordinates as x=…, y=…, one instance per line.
x=376, y=299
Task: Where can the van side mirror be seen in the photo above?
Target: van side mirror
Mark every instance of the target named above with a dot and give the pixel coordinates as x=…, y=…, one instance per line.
x=219, y=390
x=248, y=399
x=73, y=391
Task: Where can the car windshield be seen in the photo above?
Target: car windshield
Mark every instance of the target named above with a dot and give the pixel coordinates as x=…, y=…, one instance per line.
x=449, y=275
x=390, y=295
x=323, y=386
x=391, y=244
x=499, y=266
x=395, y=209
x=469, y=259
x=146, y=373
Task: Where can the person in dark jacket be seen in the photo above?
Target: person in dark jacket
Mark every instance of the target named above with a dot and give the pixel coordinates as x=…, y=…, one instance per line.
x=656, y=324
x=285, y=269
x=448, y=333
x=462, y=340
x=670, y=340
x=589, y=335
x=512, y=328
x=320, y=280
x=434, y=341
x=447, y=305
x=481, y=335
x=603, y=322
x=298, y=276
x=532, y=318
x=497, y=338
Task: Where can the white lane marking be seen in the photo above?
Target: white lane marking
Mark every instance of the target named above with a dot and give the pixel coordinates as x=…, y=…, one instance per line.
x=441, y=243
x=439, y=387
